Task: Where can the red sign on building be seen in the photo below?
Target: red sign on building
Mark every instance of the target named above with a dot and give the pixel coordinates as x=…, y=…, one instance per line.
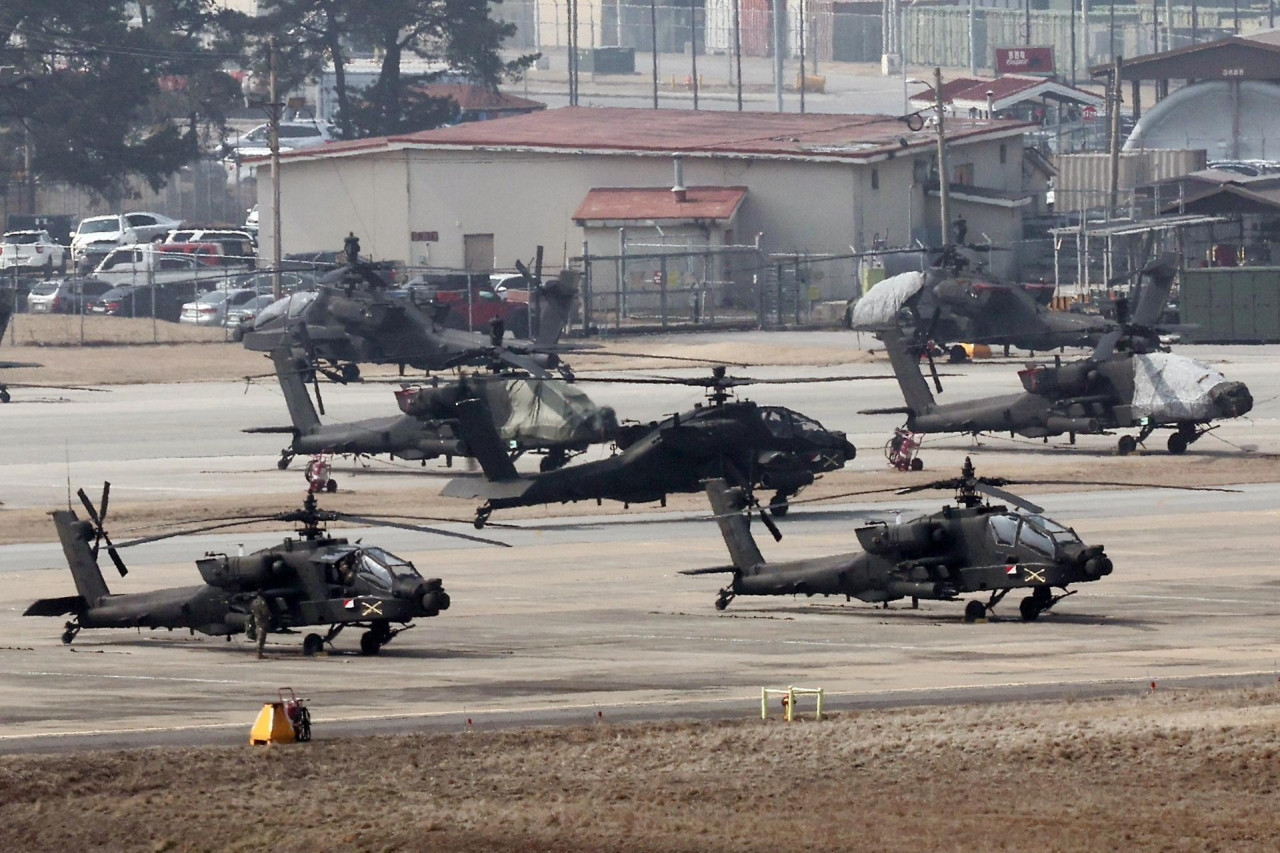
x=1024, y=60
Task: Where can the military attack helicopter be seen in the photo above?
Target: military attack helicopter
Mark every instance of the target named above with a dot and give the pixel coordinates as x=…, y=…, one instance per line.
x=355, y=316
x=549, y=417
x=973, y=547
x=1129, y=381
x=6, y=311
x=754, y=446
x=955, y=303
x=316, y=579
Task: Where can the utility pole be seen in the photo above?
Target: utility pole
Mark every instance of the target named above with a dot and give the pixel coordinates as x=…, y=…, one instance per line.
x=944, y=197
x=737, y=47
x=779, y=28
x=653, y=29
x=973, y=41
x=800, y=34
x=693, y=47
x=1113, y=189
x=274, y=95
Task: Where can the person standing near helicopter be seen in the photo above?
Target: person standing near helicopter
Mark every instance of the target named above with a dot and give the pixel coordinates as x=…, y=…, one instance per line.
x=261, y=612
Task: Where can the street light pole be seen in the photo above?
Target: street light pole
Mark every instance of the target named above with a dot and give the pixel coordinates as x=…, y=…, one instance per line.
x=274, y=95
x=944, y=198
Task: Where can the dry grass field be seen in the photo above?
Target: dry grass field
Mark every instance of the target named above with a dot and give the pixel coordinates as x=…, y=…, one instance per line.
x=1162, y=771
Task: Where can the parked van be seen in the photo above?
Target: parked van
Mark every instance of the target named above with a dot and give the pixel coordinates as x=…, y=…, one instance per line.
x=142, y=262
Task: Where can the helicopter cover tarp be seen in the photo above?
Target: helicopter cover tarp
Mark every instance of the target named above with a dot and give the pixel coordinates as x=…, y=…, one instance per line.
x=1172, y=388
x=879, y=307
x=534, y=411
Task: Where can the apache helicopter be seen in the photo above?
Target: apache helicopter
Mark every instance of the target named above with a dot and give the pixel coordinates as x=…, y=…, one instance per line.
x=316, y=579
x=553, y=418
x=6, y=311
x=973, y=547
x=1129, y=381
x=355, y=316
x=955, y=305
x=769, y=447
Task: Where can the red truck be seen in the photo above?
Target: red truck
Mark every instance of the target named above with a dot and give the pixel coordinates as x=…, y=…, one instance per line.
x=473, y=304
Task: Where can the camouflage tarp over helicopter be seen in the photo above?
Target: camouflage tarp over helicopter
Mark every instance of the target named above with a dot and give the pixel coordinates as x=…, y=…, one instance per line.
x=314, y=580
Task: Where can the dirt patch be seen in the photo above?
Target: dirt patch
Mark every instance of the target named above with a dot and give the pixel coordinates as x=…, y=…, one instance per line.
x=1172, y=770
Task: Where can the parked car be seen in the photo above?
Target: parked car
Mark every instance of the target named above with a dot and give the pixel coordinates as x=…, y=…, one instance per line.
x=96, y=236
x=240, y=318
x=65, y=296
x=210, y=309
x=474, y=309
x=251, y=221
x=139, y=263
x=235, y=244
x=293, y=134
x=35, y=249
x=130, y=300
x=290, y=282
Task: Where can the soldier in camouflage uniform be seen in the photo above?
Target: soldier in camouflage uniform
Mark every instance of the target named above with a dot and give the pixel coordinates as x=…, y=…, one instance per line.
x=261, y=622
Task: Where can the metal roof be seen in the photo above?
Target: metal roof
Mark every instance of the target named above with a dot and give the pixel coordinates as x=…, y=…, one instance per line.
x=617, y=204
x=1006, y=90
x=1122, y=228
x=1231, y=58
x=789, y=136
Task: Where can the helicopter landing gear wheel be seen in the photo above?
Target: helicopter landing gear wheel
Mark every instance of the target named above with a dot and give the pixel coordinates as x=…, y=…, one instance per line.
x=312, y=644
x=1177, y=443
x=284, y=460
x=957, y=354
x=1126, y=445
x=70, y=633
x=778, y=505
x=369, y=644
x=917, y=464
x=350, y=372
x=974, y=610
x=1029, y=609
x=723, y=599
x=553, y=460
x=4, y=395
x=331, y=486
x=482, y=517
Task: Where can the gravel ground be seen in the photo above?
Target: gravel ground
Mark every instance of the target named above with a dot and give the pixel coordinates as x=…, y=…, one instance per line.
x=1168, y=770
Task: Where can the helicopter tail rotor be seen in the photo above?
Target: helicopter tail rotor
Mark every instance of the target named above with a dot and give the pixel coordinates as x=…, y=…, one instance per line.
x=98, y=515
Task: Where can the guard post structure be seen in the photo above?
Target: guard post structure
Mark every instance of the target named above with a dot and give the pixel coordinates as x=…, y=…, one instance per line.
x=789, y=695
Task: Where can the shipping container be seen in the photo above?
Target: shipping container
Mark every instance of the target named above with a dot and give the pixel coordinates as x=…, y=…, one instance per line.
x=1231, y=304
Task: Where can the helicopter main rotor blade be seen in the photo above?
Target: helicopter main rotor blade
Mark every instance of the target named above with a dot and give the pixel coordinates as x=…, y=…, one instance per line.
x=190, y=530
x=1008, y=497
x=1117, y=483
x=375, y=521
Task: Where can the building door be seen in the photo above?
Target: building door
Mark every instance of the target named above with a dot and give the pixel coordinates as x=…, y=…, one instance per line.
x=477, y=252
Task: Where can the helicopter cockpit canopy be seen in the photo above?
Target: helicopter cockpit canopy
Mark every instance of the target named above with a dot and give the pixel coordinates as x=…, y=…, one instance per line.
x=381, y=568
x=785, y=423
x=1033, y=531
x=291, y=306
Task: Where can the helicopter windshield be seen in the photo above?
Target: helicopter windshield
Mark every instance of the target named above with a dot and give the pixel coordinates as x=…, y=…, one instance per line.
x=1004, y=528
x=292, y=305
x=776, y=421
x=807, y=426
x=391, y=563
x=1056, y=531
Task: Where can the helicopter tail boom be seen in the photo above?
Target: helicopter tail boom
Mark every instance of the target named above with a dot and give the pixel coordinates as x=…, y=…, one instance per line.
x=76, y=536
x=728, y=504
x=906, y=367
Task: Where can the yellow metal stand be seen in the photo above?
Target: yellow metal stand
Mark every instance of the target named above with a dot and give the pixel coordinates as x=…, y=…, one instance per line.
x=272, y=726
x=789, y=694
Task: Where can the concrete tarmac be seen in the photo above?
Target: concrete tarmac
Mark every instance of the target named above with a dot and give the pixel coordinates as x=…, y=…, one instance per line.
x=588, y=615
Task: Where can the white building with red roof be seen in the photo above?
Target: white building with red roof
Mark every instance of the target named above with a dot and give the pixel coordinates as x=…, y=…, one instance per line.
x=483, y=194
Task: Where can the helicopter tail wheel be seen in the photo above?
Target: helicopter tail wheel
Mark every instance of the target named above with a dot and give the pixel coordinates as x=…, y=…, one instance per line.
x=778, y=505
x=482, y=517
x=723, y=599
x=1126, y=445
x=284, y=460
x=70, y=633
x=974, y=611
x=312, y=644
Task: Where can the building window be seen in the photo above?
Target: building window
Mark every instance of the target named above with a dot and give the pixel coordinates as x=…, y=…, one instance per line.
x=1004, y=152
x=962, y=174
x=919, y=171
x=875, y=179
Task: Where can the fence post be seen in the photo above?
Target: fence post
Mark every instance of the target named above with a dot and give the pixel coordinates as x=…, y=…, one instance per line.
x=662, y=289
x=586, y=288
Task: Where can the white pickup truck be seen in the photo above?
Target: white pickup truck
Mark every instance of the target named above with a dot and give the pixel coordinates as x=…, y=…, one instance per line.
x=32, y=250
x=161, y=262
